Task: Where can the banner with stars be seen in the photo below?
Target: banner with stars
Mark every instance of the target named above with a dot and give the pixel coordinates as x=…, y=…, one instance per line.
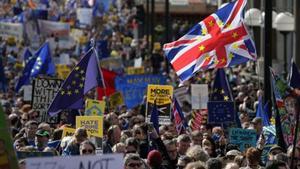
x=220, y=112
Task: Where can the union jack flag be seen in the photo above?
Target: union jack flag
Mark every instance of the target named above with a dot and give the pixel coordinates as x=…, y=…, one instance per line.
x=220, y=40
x=178, y=116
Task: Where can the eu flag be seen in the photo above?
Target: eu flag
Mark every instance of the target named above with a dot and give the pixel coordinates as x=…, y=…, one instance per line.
x=84, y=77
x=154, y=117
x=260, y=112
x=43, y=63
x=25, y=77
x=294, y=76
x=221, y=105
x=27, y=55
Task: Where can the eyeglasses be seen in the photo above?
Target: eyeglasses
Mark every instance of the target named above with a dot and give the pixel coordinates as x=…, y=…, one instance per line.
x=134, y=165
x=85, y=151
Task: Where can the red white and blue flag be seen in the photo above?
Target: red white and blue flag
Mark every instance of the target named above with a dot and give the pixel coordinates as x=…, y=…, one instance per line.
x=178, y=116
x=220, y=40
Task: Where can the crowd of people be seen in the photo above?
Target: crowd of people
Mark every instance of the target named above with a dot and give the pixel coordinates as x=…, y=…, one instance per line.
x=206, y=147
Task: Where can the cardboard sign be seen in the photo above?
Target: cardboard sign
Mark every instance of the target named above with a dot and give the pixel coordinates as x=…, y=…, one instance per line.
x=8, y=156
x=199, y=96
x=94, y=107
x=44, y=91
x=67, y=132
x=135, y=70
x=93, y=124
x=115, y=100
x=105, y=161
x=244, y=138
x=63, y=71
x=162, y=95
x=11, y=30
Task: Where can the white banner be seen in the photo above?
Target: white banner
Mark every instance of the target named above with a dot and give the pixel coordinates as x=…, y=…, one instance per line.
x=105, y=161
x=11, y=30
x=27, y=92
x=58, y=29
x=199, y=96
x=84, y=15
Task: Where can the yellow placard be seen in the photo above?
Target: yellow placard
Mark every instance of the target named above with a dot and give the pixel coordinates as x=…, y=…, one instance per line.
x=162, y=94
x=115, y=100
x=67, y=132
x=93, y=124
x=94, y=107
x=135, y=70
x=63, y=71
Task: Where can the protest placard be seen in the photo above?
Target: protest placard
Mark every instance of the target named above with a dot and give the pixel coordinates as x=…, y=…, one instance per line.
x=84, y=16
x=115, y=100
x=94, y=107
x=93, y=124
x=105, y=161
x=138, y=62
x=67, y=131
x=58, y=29
x=11, y=30
x=162, y=95
x=134, y=87
x=63, y=71
x=114, y=64
x=182, y=94
x=76, y=34
x=135, y=70
x=44, y=91
x=27, y=92
x=8, y=156
x=244, y=138
x=199, y=96
x=30, y=154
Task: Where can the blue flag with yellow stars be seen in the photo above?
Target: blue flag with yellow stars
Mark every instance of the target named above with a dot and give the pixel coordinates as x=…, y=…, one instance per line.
x=221, y=105
x=43, y=63
x=84, y=77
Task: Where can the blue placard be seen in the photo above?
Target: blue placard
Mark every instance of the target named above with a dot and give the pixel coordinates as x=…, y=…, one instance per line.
x=220, y=112
x=134, y=87
x=244, y=138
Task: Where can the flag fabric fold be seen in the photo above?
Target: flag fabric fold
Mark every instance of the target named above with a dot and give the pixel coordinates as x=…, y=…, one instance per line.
x=220, y=40
x=109, y=81
x=154, y=117
x=260, y=112
x=84, y=77
x=294, y=76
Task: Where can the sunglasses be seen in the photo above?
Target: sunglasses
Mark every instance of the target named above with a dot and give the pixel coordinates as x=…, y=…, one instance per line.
x=85, y=151
x=134, y=164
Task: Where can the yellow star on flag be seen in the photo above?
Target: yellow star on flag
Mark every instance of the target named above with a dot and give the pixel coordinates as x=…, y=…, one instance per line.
x=220, y=23
x=235, y=35
x=207, y=57
x=62, y=92
x=76, y=91
x=210, y=24
x=231, y=55
x=73, y=82
x=216, y=61
x=226, y=98
x=235, y=46
x=81, y=85
x=222, y=91
x=82, y=78
x=77, y=68
x=82, y=72
x=228, y=26
x=201, y=48
x=223, y=60
x=69, y=93
x=204, y=31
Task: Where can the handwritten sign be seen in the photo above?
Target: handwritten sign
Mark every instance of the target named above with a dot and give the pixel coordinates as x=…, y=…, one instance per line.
x=105, y=161
x=94, y=107
x=93, y=124
x=67, y=132
x=244, y=138
x=115, y=100
x=44, y=90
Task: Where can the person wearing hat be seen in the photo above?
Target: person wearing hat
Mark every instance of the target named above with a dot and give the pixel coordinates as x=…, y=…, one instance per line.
x=274, y=151
x=257, y=125
x=41, y=139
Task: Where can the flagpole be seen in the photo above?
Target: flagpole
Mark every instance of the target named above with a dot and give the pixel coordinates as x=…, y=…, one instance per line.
x=101, y=74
